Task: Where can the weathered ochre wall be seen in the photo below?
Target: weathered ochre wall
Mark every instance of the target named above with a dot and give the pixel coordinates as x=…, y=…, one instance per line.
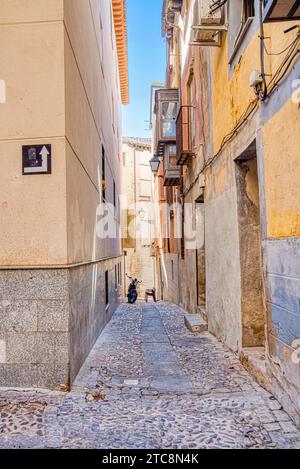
x=252, y=242
x=275, y=128
x=282, y=171
x=231, y=91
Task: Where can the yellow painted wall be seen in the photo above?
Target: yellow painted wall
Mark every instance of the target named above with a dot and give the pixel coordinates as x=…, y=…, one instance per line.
x=232, y=94
x=230, y=98
x=282, y=172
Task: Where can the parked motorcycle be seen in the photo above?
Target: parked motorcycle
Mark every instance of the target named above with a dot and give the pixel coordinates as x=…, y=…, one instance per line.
x=132, y=294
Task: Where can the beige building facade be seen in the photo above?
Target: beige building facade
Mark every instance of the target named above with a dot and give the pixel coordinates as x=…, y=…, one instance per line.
x=137, y=191
x=64, y=65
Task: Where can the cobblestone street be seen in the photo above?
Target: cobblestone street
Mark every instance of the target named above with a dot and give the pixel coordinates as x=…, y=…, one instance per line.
x=150, y=383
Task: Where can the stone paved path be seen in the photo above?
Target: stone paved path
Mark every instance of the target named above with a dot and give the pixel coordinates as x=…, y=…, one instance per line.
x=150, y=383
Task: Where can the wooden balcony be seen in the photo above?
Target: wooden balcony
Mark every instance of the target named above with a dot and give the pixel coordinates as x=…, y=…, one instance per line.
x=184, y=150
x=166, y=108
x=172, y=176
x=284, y=10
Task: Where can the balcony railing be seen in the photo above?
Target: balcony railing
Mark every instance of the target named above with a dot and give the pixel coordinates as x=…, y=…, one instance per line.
x=172, y=172
x=183, y=135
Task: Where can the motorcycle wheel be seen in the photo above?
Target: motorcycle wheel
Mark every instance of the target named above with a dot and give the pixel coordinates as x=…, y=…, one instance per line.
x=132, y=297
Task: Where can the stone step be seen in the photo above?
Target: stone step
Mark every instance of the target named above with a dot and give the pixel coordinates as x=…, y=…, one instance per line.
x=253, y=359
x=195, y=323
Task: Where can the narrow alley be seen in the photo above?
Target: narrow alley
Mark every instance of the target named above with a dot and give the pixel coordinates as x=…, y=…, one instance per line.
x=149, y=227
x=150, y=383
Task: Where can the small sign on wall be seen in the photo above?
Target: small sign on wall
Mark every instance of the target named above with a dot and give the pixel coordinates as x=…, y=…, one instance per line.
x=36, y=159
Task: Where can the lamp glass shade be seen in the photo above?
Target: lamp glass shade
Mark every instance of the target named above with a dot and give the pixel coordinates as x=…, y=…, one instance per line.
x=154, y=163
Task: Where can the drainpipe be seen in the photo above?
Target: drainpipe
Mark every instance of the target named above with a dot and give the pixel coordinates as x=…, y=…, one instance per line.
x=263, y=94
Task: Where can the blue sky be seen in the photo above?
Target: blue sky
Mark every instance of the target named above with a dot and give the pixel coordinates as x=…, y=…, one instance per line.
x=147, y=56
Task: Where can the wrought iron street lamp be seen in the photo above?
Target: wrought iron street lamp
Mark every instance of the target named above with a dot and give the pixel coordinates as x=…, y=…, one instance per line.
x=154, y=163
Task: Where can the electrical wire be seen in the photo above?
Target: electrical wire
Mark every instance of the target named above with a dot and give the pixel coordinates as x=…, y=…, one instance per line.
x=281, y=52
x=285, y=70
x=293, y=52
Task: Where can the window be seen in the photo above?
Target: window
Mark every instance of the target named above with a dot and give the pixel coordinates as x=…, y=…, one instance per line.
x=169, y=115
x=248, y=9
x=240, y=16
x=103, y=174
x=106, y=289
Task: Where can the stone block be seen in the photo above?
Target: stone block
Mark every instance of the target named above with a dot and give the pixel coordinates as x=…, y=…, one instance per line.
x=195, y=323
x=18, y=316
x=281, y=416
x=49, y=321
x=253, y=359
x=53, y=376
x=37, y=348
x=18, y=375
x=21, y=348
x=50, y=347
x=288, y=427
x=53, y=316
x=2, y=351
x=62, y=348
x=274, y=404
x=272, y=427
x=33, y=284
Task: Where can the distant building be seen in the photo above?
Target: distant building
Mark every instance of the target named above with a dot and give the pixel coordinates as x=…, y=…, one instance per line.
x=138, y=217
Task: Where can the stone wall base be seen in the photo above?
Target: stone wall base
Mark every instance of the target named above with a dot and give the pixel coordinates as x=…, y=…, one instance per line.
x=49, y=321
x=271, y=378
x=284, y=391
